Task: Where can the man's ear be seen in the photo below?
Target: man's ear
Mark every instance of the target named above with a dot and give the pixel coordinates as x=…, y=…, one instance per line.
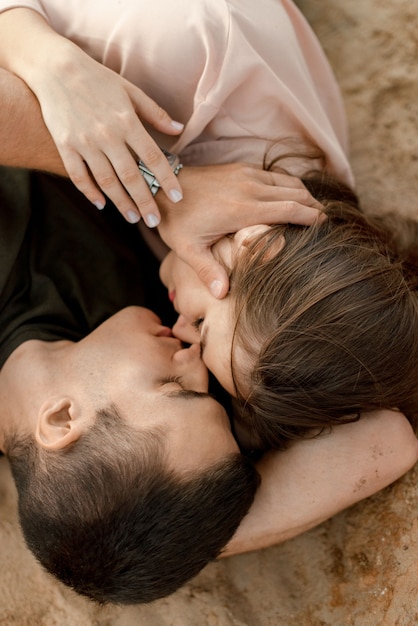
x=60, y=422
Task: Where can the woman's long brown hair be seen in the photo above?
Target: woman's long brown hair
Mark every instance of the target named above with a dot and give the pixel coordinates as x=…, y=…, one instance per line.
x=329, y=323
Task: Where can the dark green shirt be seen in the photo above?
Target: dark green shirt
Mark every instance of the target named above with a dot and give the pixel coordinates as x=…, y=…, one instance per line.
x=65, y=267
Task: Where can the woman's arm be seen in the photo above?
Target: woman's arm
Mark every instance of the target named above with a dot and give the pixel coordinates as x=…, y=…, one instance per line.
x=92, y=114
x=315, y=479
x=219, y=199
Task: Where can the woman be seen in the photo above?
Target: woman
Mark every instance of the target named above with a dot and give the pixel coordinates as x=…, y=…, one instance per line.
x=315, y=325
x=230, y=54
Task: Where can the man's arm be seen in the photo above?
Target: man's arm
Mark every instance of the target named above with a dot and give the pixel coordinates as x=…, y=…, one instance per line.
x=317, y=478
x=24, y=138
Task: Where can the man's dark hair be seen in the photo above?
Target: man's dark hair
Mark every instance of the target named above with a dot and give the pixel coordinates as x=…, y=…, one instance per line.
x=109, y=520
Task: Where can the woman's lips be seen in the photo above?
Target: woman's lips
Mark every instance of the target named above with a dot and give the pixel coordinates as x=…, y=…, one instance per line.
x=171, y=295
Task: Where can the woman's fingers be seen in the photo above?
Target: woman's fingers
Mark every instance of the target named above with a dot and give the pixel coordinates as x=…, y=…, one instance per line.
x=122, y=182
x=96, y=178
x=155, y=161
x=289, y=212
x=209, y=270
x=80, y=176
x=95, y=118
x=147, y=150
x=113, y=172
x=278, y=185
x=148, y=110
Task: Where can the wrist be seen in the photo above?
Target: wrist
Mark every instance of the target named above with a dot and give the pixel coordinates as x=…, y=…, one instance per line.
x=31, y=36
x=56, y=57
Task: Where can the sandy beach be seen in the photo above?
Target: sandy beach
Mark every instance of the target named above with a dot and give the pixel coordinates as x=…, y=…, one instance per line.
x=361, y=567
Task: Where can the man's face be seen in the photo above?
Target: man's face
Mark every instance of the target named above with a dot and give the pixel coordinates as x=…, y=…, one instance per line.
x=134, y=362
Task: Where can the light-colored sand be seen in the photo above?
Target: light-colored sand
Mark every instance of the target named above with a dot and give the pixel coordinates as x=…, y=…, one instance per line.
x=360, y=568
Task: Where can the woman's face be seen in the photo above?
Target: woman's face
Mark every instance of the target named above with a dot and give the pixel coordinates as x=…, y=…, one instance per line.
x=203, y=318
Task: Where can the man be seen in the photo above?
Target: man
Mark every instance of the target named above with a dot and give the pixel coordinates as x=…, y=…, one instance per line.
x=100, y=465
x=104, y=443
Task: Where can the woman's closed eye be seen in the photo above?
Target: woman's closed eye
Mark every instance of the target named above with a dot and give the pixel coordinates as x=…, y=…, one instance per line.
x=198, y=323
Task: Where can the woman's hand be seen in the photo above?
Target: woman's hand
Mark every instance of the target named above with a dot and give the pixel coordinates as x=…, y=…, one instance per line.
x=221, y=199
x=93, y=115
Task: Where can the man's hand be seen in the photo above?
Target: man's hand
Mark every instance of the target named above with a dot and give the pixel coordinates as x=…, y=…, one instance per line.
x=221, y=199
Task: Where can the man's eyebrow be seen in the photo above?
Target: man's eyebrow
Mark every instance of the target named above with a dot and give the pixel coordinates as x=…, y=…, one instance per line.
x=188, y=394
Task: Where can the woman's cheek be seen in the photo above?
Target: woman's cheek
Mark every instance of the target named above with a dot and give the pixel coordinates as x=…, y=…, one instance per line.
x=165, y=270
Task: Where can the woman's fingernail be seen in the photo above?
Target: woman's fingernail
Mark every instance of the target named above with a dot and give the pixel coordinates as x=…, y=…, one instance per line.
x=175, y=195
x=151, y=220
x=133, y=217
x=216, y=288
x=177, y=125
x=99, y=205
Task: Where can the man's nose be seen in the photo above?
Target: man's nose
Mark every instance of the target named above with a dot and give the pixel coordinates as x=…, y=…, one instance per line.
x=184, y=330
x=192, y=369
x=181, y=322
x=189, y=355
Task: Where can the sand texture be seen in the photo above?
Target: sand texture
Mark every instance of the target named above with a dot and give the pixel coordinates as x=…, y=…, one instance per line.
x=361, y=567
